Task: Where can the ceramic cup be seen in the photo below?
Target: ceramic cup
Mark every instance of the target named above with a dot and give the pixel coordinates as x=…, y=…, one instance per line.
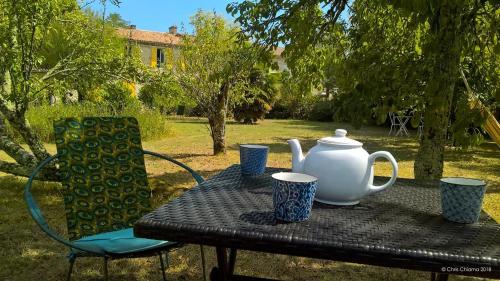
x=253, y=159
x=293, y=196
x=461, y=199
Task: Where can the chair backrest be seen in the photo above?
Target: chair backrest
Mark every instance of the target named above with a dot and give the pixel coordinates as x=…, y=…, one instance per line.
x=392, y=117
x=104, y=178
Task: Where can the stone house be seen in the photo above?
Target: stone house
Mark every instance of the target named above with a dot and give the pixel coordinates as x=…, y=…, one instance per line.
x=160, y=49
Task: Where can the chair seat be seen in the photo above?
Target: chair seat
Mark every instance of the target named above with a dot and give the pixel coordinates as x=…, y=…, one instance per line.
x=119, y=242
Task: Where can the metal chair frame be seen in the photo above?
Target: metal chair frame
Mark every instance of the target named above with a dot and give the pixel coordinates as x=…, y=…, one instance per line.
x=420, y=129
x=77, y=251
x=398, y=124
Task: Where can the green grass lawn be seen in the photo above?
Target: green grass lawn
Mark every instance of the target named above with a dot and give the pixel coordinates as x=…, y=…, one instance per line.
x=28, y=254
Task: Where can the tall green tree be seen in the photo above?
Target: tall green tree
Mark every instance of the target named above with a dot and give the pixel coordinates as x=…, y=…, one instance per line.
x=213, y=68
x=162, y=91
x=385, y=70
x=30, y=64
x=451, y=29
x=80, y=42
x=116, y=20
x=262, y=87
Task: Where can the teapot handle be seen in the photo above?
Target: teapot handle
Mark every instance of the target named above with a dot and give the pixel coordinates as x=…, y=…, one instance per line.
x=371, y=161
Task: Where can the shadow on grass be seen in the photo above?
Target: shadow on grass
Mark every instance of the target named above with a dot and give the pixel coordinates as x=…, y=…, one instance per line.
x=202, y=121
x=170, y=185
x=175, y=156
x=275, y=147
x=402, y=152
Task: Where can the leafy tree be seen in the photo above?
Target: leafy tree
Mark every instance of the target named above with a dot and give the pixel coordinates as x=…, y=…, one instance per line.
x=29, y=66
x=258, y=97
x=117, y=95
x=116, y=20
x=162, y=91
x=449, y=29
x=90, y=46
x=213, y=68
x=384, y=70
x=295, y=99
x=317, y=66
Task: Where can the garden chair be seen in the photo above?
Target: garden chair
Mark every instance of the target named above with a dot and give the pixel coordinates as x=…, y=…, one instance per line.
x=420, y=129
x=398, y=123
x=105, y=190
x=394, y=122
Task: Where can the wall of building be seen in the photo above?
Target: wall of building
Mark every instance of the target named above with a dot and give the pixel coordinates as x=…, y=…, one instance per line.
x=281, y=63
x=147, y=51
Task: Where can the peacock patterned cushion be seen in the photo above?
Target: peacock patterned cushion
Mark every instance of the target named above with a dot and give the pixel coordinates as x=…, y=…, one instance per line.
x=101, y=163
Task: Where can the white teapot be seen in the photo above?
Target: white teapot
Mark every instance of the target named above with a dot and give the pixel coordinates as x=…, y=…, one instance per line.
x=343, y=168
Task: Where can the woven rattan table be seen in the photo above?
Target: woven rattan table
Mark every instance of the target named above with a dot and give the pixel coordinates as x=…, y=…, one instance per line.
x=399, y=227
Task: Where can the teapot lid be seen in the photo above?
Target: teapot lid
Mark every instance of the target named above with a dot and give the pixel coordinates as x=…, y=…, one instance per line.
x=340, y=139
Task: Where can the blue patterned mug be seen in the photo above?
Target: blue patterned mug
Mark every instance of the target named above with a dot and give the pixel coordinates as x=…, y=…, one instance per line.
x=253, y=159
x=293, y=196
x=461, y=199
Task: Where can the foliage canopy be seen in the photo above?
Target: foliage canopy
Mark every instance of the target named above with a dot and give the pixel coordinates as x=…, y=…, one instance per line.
x=394, y=55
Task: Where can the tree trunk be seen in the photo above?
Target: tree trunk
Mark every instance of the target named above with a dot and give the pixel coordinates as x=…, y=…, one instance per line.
x=217, y=120
x=444, y=49
x=217, y=128
x=25, y=161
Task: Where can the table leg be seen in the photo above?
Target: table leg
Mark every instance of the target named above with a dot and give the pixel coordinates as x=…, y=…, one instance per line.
x=232, y=260
x=406, y=122
x=400, y=129
x=439, y=276
x=402, y=125
x=225, y=267
x=222, y=264
x=405, y=130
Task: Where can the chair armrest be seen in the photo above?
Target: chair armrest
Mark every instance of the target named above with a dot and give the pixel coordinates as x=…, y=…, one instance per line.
x=199, y=179
x=37, y=215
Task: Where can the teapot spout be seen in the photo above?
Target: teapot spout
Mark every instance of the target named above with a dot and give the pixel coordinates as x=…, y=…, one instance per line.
x=297, y=156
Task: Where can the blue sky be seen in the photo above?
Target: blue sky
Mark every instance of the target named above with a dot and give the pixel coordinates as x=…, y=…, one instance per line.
x=158, y=15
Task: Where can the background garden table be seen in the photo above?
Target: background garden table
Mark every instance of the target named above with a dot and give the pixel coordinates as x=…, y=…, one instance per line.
x=403, y=120
x=399, y=227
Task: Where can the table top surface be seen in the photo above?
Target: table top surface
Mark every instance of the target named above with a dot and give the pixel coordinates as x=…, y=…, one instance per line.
x=401, y=226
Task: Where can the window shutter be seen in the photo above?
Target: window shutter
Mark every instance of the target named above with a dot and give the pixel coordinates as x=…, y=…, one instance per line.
x=153, y=57
x=131, y=86
x=169, y=58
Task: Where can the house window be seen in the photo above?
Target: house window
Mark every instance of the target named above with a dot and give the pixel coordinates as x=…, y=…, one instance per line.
x=160, y=58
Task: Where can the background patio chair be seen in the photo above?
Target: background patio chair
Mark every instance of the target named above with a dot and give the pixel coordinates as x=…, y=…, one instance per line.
x=398, y=123
x=395, y=124
x=105, y=190
x=420, y=128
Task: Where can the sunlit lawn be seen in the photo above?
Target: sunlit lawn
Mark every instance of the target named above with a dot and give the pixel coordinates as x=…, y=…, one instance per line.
x=27, y=254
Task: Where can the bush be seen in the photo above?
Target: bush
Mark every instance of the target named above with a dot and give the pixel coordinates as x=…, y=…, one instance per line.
x=119, y=96
x=258, y=96
x=322, y=111
x=294, y=108
x=279, y=111
x=152, y=123
x=164, y=93
x=295, y=101
x=250, y=112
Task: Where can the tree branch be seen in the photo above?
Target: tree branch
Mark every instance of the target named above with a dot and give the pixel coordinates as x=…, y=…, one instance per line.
x=14, y=168
x=13, y=149
x=21, y=125
x=49, y=174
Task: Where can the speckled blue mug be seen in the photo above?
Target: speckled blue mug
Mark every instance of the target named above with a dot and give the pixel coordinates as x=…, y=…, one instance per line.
x=461, y=199
x=293, y=196
x=253, y=159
